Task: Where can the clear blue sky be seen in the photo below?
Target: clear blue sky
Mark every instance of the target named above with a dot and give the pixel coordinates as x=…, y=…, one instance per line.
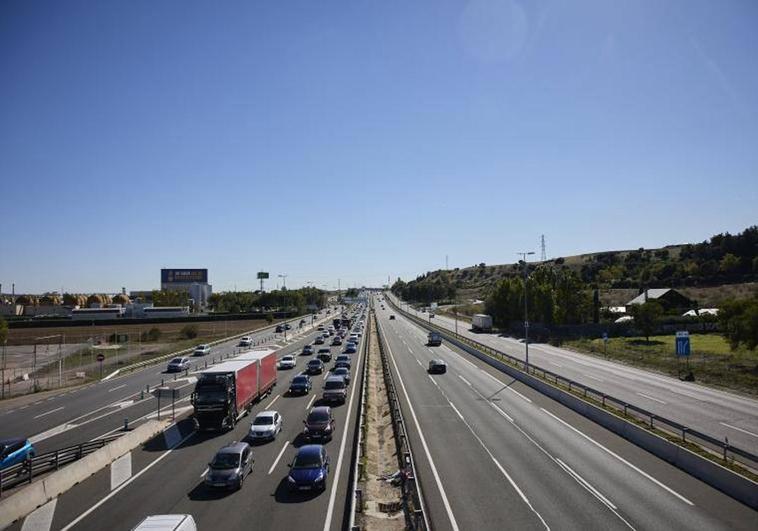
x=360, y=139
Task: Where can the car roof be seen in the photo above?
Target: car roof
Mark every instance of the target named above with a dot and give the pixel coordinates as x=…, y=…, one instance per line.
x=233, y=448
x=335, y=379
x=268, y=412
x=310, y=449
x=321, y=409
x=343, y=369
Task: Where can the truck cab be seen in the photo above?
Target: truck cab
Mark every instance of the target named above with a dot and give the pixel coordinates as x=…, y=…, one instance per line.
x=214, y=402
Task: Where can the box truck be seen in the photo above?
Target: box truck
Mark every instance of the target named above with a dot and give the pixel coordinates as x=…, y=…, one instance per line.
x=225, y=392
x=481, y=323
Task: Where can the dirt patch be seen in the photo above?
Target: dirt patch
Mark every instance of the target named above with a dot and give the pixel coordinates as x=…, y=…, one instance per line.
x=382, y=498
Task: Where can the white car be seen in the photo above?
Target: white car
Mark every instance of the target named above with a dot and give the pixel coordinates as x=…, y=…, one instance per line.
x=266, y=426
x=246, y=341
x=202, y=350
x=287, y=362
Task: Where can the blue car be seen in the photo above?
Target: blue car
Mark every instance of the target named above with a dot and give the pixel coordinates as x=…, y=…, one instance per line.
x=310, y=468
x=14, y=451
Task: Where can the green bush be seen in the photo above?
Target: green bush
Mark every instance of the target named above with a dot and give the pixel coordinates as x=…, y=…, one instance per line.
x=154, y=334
x=269, y=318
x=189, y=331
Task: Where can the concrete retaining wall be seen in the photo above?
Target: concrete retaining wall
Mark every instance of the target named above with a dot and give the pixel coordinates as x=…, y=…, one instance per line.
x=728, y=482
x=27, y=499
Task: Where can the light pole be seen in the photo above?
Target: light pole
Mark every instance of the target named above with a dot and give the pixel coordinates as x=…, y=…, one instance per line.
x=526, y=312
x=284, y=281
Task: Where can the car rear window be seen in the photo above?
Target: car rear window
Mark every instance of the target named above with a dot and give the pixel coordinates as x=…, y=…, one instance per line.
x=334, y=384
x=318, y=416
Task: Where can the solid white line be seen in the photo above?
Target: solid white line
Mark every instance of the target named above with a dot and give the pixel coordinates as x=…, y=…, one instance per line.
x=436, y=475
x=204, y=472
x=311, y=402
x=336, y=477
x=519, y=394
x=739, y=429
x=556, y=364
x=278, y=457
x=627, y=463
x=465, y=380
x=89, y=511
x=117, y=388
x=272, y=402
x=643, y=395
x=48, y=412
x=594, y=377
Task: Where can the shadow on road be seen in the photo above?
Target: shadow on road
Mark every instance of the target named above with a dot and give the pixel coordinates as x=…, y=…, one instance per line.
x=284, y=494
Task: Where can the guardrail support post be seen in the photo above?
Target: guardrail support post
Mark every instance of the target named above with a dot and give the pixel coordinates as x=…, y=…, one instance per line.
x=126, y=424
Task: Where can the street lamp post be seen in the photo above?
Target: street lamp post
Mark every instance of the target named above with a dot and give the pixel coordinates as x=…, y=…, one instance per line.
x=526, y=311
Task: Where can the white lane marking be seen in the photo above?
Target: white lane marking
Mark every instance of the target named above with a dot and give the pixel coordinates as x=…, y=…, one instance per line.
x=500, y=467
x=204, y=472
x=627, y=463
x=281, y=453
x=117, y=388
x=739, y=429
x=586, y=484
x=48, y=412
x=89, y=511
x=336, y=477
x=556, y=364
x=22, y=408
x=511, y=389
x=594, y=377
x=311, y=402
x=643, y=395
x=41, y=519
x=272, y=402
x=465, y=380
x=121, y=470
x=436, y=475
x=432, y=379
x=419, y=363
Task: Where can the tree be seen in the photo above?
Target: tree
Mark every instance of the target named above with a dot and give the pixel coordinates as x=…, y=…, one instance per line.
x=646, y=317
x=189, y=331
x=170, y=298
x=729, y=263
x=739, y=322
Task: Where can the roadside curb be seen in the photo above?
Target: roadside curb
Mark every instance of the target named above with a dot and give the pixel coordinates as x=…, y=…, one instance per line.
x=29, y=498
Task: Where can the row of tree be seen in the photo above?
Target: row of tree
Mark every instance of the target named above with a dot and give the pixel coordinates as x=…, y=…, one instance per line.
x=284, y=299
x=554, y=296
x=426, y=288
x=739, y=322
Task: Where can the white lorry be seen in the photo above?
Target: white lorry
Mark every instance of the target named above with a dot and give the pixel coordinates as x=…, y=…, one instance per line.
x=481, y=323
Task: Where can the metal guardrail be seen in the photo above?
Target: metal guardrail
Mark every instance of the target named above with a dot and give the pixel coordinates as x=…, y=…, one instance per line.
x=29, y=469
x=413, y=505
x=359, y=448
x=685, y=434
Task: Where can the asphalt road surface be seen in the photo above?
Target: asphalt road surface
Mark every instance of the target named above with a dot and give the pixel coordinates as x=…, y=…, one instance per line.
x=717, y=413
x=170, y=479
x=494, y=454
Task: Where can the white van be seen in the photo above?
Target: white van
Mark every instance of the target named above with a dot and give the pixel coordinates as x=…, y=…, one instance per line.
x=167, y=522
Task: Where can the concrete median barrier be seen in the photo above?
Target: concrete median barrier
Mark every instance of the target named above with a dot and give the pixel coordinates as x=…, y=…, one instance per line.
x=27, y=499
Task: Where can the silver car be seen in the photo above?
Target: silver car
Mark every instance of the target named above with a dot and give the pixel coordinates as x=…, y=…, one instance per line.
x=230, y=465
x=266, y=426
x=178, y=365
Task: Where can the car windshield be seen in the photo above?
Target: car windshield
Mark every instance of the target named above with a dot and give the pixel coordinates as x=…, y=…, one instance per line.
x=299, y=380
x=341, y=371
x=318, y=416
x=307, y=460
x=225, y=461
x=263, y=420
x=334, y=384
x=176, y=360
x=314, y=363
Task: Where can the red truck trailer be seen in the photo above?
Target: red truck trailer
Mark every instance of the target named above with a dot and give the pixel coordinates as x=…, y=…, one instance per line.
x=225, y=392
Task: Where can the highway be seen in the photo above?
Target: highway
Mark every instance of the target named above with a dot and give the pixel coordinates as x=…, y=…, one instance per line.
x=169, y=478
x=76, y=415
x=712, y=411
x=492, y=453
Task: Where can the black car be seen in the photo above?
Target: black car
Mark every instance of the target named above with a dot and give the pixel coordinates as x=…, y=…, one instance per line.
x=437, y=366
x=319, y=424
x=344, y=372
x=300, y=385
x=315, y=366
x=279, y=329
x=319, y=340
x=325, y=355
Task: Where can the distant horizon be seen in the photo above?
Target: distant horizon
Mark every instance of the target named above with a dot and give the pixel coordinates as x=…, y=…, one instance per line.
x=277, y=286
